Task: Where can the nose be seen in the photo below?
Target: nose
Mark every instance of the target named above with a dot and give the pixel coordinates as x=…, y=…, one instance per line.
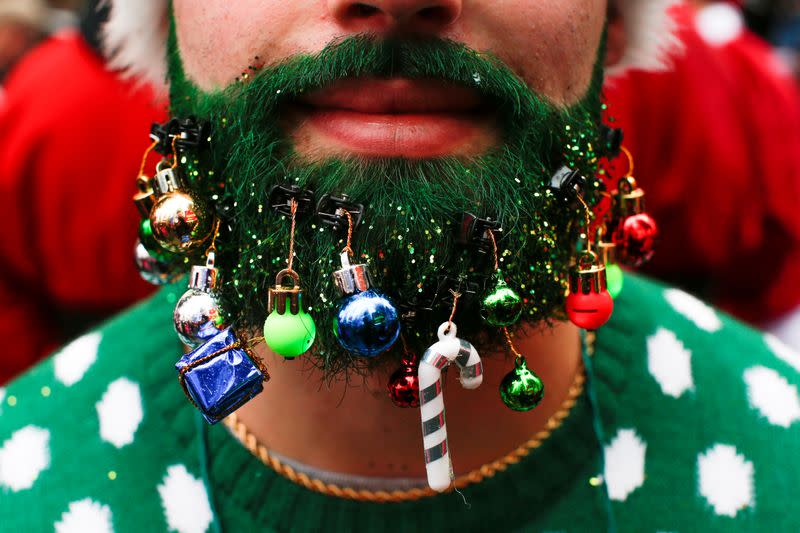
x=384, y=16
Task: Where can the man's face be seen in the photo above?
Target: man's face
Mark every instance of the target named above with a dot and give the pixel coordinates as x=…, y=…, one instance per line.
x=551, y=45
x=422, y=112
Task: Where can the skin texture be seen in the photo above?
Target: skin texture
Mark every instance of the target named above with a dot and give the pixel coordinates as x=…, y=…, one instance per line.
x=354, y=428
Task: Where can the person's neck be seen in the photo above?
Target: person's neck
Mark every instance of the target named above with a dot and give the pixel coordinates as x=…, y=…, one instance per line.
x=355, y=429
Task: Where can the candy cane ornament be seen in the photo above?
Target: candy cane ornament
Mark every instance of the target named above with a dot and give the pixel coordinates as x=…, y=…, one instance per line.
x=434, y=430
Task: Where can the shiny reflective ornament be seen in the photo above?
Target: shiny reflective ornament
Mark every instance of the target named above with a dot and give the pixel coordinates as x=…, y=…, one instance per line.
x=149, y=240
x=366, y=323
x=404, y=384
x=220, y=376
x=636, y=238
x=179, y=221
x=154, y=270
x=198, y=316
x=589, y=304
x=502, y=306
x=607, y=250
x=289, y=331
x=634, y=231
x=521, y=389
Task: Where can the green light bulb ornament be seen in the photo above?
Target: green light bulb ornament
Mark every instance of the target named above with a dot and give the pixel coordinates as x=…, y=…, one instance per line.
x=502, y=306
x=288, y=331
x=615, y=279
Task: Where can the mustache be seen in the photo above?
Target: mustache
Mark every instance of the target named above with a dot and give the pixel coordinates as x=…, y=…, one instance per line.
x=261, y=92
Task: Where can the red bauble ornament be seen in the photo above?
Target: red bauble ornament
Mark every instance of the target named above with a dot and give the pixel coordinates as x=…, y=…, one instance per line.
x=636, y=239
x=590, y=311
x=404, y=385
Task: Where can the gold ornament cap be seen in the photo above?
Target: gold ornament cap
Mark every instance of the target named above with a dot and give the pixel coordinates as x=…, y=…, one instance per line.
x=629, y=198
x=587, y=276
x=280, y=297
x=167, y=179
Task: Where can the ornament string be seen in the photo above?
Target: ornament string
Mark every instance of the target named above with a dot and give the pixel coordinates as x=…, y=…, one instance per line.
x=456, y=296
x=291, y=235
x=174, y=152
x=494, y=249
x=348, y=248
x=628, y=154
x=144, y=158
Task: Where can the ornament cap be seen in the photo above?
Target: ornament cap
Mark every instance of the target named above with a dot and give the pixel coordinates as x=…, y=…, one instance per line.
x=166, y=180
x=279, y=295
x=352, y=279
x=630, y=198
x=203, y=278
x=587, y=276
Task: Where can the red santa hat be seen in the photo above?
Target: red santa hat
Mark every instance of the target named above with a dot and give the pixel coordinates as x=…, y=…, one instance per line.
x=136, y=35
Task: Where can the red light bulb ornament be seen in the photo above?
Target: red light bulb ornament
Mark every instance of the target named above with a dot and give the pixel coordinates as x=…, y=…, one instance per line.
x=635, y=231
x=589, y=304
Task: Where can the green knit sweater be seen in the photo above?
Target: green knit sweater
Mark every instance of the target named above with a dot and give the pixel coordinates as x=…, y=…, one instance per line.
x=695, y=428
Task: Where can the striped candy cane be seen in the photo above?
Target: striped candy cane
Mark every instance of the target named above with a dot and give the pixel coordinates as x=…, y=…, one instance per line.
x=434, y=430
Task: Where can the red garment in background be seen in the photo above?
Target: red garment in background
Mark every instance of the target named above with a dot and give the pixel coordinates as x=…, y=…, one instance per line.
x=71, y=141
x=716, y=143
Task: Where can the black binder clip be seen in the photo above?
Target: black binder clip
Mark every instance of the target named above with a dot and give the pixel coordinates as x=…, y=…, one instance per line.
x=474, y=231
x=611, y=141
x=567, y=181
x=281, y=196
x=330, y=210
x=191, y=134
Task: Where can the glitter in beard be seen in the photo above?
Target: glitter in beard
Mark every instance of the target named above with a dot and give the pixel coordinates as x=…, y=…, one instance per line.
x=413, y=209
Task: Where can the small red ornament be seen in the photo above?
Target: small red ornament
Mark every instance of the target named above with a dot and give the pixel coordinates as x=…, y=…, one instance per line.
x=636, y=239
x=404, y=384
x=589, y=305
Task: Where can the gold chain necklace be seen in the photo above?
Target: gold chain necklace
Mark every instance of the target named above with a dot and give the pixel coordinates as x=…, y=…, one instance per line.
x=488, y=470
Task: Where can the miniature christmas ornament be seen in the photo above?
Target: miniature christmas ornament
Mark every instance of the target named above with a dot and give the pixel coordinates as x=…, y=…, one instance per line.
x=634, y=231
x=198, y=316
x=449, y=349
x=615, y=280
x=589, y=305
x=153, y=269
x=220, y=376
x=366, y=323
x=289, y=331
x=179, y=221
x=502, y=306
x=404, y=384
x=521, y=389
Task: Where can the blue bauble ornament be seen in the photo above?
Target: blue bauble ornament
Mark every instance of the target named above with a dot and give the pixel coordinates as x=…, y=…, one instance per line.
x=367, y=323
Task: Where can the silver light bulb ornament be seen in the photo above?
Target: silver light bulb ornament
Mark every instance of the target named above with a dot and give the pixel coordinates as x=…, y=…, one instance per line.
x=198, y=316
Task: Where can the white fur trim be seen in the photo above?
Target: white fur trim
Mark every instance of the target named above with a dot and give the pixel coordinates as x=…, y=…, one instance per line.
x=135, y=37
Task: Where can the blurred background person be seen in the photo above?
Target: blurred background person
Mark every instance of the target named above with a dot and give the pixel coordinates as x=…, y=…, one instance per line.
x=72, y=137
x=716, y=143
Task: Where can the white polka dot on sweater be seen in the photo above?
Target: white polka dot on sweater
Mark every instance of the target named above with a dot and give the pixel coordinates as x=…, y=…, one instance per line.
x=783, y=351
x=670, y=363
x=85, y=516
x=120, y=412
x=725, y=479
x=702, y=314
x=23, y=457
x=774, y=397
x=2, y=397
x=624, y=464
x=71, y=363
x=719, y=23
x=185, y=501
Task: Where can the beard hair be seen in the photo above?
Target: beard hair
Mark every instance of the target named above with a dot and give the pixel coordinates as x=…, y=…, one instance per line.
x=413, y=208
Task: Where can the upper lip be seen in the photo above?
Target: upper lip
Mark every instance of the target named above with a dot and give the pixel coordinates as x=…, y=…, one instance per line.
x=394, y=96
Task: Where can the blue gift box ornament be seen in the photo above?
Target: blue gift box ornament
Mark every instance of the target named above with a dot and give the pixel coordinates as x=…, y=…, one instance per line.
x=220, y=376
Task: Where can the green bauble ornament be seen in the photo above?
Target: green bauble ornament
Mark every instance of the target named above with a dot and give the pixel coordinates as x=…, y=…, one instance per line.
x=521, y=389
x=502, y=306
x=288, y=331
x=289, y=335
x=151, y=244
x=614, y=279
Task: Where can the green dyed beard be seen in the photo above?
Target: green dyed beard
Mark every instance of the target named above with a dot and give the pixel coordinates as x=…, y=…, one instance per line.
x=413, y=207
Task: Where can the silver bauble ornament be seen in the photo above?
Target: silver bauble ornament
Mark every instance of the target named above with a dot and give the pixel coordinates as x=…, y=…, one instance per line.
x=198, y=316
x=154, y=270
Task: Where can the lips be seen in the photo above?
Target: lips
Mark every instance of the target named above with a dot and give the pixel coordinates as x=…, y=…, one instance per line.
x=392, y=118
